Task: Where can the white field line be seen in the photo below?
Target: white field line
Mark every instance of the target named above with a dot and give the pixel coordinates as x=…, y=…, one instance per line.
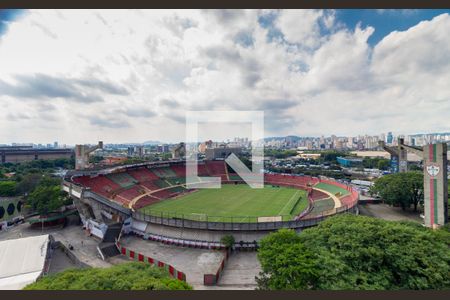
x=293, y=197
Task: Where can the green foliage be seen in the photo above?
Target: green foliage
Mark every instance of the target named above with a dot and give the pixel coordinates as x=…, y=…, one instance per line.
x=128, y=276
x=286, y=263
x=47, y=196
x=28, y=183
x=36, y=166
x=404, y=189
x=8, y=188
x=227, y=240
x=413, y=167
x=94, y=159
x=376, y=163
x=277, y=153
x=349, y=252
x=332, y=155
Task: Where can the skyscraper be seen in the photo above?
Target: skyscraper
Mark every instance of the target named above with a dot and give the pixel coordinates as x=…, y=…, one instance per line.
x=390, y=138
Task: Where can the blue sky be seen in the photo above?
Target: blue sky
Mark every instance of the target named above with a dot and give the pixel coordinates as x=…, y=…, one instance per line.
x=130, y=76
x=8, y=15
x=386, y=21
x=383, y=20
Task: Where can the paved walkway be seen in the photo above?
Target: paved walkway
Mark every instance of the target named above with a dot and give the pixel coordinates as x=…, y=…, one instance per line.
x=240, y=271
x=193, y=262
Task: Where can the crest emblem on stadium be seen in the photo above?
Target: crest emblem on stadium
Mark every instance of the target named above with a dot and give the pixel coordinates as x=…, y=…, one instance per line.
x=433, y=170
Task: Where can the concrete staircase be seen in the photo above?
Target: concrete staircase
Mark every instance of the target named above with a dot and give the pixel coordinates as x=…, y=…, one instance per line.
x=108, y=246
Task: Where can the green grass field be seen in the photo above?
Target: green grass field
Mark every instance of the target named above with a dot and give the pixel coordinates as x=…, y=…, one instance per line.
x=332, y=188
x=233, y=203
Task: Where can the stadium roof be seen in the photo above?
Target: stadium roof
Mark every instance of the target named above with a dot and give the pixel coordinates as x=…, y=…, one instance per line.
x=22, y=261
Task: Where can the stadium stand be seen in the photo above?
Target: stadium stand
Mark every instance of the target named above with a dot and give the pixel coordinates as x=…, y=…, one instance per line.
x=234, y=176
x=145, y=201
x=131, y=193
x=150, y=185
x=176, y=180
x=289, y=180
x=100, y=184
x=180, y=170
x=164, y=172
x=316, y=195
x=163, y=194
x=333, y=188
x=320, y=207
x=215, y=167
x=122, y=179
x=156, y=184
x=161, y=183
x=349, y=199
x=201, y=170
x=177, y=189
x=143, y=174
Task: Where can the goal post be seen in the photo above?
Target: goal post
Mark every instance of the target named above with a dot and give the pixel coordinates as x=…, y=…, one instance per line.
x=199, y=217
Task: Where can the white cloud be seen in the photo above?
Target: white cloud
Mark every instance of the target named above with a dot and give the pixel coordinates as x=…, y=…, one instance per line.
x=301, y=26
x=80, y=76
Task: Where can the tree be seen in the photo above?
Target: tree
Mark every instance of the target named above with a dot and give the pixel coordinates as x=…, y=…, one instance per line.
x=286, y=263
x=46, y=198
x=7, y=188
x=332, y=155
x=356, y=253
x=376, y=162
x=228, y=241
x=383, y=164
x=404, y=189
x=279, y=153
x=28, y=183
x=127, y=276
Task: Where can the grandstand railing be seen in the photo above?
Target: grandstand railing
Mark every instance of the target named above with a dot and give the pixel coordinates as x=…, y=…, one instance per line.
x=234, y=223
x=239, y=226
x=106, y=202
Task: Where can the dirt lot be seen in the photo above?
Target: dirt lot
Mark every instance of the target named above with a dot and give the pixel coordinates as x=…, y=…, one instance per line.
x=386, y=212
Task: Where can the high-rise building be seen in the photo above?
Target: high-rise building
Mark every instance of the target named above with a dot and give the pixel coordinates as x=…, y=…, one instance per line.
x=390, y=138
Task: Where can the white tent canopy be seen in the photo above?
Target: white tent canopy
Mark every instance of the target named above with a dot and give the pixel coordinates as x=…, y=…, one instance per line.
x=22, y=261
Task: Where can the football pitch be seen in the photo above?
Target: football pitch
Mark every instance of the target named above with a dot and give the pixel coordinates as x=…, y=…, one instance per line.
x=233, y=203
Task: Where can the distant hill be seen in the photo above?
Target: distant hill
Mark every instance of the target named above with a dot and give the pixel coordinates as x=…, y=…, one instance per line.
x=282, y=138
x=152, y=143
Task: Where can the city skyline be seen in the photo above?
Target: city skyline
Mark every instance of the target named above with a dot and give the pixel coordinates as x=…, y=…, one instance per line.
x=418, y=139
x=130, y=76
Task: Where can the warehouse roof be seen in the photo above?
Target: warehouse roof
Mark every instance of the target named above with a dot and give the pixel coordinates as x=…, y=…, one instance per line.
x=22, y=261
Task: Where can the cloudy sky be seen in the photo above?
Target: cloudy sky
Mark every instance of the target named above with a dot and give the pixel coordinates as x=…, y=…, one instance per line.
x=130, y=76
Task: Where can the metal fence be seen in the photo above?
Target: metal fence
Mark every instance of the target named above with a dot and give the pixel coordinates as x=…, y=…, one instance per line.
x=209, y=218
x=236, y=226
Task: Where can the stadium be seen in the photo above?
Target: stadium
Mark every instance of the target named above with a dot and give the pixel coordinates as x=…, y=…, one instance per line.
x=152, y=201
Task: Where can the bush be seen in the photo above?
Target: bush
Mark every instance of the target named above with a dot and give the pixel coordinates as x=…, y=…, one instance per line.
x=227, y=240
x=128, y=276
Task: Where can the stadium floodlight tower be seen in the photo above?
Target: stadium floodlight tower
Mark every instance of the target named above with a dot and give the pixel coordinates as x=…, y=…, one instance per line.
x=399, y=161
x=435, y=183
x=82, y=155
